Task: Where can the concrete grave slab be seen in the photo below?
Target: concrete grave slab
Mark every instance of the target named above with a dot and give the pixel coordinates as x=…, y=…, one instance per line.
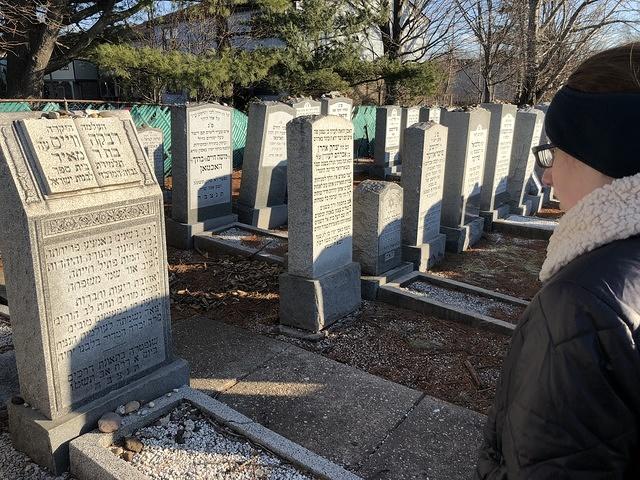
x=92, y=460
x=397, y=294
x=524, y=226
x=269, y=245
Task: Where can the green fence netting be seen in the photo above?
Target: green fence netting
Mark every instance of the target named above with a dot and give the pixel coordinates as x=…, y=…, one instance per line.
x=364, y=130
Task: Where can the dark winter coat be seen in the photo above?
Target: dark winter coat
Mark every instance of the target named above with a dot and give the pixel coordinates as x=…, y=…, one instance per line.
x=568, y=402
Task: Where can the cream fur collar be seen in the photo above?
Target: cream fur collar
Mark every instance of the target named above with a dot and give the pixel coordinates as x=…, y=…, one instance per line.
x=607, y=214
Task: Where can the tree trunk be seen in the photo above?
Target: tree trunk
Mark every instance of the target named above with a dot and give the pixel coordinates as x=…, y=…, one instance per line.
x=26, y=64
x=528, y=91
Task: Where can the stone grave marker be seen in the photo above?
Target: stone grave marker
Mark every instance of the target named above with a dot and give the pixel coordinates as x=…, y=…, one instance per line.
x=263, y=190
x=322, y=283
x=422, y=184
x=387, y=145
x=410, y=115
x=464, y=168
x=86, y=267
x=202, y=163
x=528, y=131
x=377, y=220
x=152, y=143
x=431, y=114
x=338, y=106
x=305, y=106
x=494, y=197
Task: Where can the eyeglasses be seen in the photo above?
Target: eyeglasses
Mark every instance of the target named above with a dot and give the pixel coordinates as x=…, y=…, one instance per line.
x=544, y=155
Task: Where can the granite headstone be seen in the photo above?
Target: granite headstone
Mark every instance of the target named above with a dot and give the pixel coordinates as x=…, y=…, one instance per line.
x=263, y=189
x=152, y=143
x=387, y=145
x=337, y=106
x=322, y=283
x=86, y=265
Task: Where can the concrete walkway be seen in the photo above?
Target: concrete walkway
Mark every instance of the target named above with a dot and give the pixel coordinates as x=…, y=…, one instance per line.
x=374, y=427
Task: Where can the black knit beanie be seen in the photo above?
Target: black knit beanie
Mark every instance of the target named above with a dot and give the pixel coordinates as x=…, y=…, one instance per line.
x=599, y=129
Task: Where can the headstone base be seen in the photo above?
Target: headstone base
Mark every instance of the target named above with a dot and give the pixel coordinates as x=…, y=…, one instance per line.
x=369, y=284
x=314, y=304
x=263, y=217
x=461, y=238
x=523, y=209
x=46, y=441
x=384, y=172
x=427, y=255
x=536, y=202
x=491, y=216
x=180, y=235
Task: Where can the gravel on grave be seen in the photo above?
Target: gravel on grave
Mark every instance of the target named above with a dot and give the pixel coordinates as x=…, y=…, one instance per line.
x=251, y=239
x=186, y=444
x=16, y=465
x=6, y=342
x=467, y=301
x=532, y=222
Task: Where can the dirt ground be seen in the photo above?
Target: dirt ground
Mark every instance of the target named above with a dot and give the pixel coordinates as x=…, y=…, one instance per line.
x=453, y=362
x=501, y=262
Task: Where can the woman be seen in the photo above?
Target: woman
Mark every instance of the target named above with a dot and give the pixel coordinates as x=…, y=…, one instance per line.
x=568, y=402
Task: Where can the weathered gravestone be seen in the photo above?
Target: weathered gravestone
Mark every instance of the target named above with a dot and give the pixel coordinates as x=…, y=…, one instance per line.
x=547, y=191
x=263, y=190
x=528, y=131
x=338, y=106
x=152, y=144
x=85, y=257
x=422, y=184
x=464, y=167
x=387, y=146
x=410, y=115
x=431, y=114
x=494, y=196
x=322, y=283
x=377, y=220
x=201, y=172
x=304, y=107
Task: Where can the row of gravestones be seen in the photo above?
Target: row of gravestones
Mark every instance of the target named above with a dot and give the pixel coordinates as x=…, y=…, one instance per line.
x=486, y=163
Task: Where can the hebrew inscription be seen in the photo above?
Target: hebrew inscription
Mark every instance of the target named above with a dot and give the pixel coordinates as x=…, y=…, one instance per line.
x=332, y=189
x=209, y=157
x=59, y=154
x=105, y=298
x=503, y=156
x=476, y=149
x=275, y=140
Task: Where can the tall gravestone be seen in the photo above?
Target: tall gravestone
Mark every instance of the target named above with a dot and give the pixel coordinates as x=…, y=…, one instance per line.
x=431, y=114
x=152, y=144
x=528, y=131
x=202, y=154
x=322, y=283
x=263, y=190
x=304, y=107
x=494, y=197
x=377, y=220
x=422, y=184
x=410, y=116
x=387, y=145
x=466, y=150
x=338, y=106
x=546, y=191
x=84, y=252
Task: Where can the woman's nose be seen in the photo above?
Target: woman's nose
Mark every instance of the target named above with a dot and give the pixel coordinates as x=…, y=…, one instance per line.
x=547, y=177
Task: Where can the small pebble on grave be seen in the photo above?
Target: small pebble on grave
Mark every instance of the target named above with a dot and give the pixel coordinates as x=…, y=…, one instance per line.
x=109, y=422
x=133, y=444
x=131, y=407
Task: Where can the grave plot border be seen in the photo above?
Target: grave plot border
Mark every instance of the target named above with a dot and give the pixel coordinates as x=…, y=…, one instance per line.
x=503, y=225
x=394, y=294
x=208, y=243
x=91, y=459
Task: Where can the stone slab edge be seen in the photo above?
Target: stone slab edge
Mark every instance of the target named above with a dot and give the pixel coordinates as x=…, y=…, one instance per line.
x=393, y=294
x=205, y=241
x=369, y=284
x=522, y=230
x=91, y=460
